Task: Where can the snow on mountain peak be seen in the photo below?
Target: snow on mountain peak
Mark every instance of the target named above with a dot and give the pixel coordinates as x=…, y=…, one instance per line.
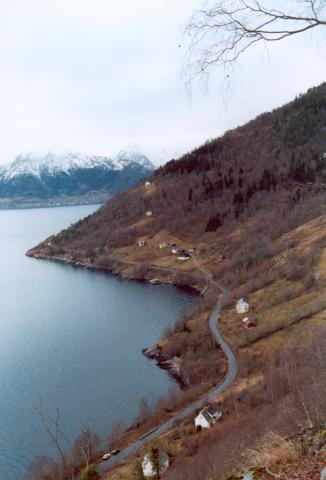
x=38, y=163
x=134, y=156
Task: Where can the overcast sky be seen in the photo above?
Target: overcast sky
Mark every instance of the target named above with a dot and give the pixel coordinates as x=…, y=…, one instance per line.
x=96, y=76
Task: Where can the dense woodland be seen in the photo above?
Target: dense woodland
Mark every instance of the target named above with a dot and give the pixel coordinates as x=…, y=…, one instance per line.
x=274, y=161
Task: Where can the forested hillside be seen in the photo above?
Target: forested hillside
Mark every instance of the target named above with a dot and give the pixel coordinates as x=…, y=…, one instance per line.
x=270, y=163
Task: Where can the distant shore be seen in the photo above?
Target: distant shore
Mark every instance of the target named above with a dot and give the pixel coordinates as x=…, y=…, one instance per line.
x=9, y=204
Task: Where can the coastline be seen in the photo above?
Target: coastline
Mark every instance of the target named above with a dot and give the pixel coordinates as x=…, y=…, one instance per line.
x=69, y=202
x=128, y=270
x=171, y=365
x=123, y=269
x=193, y=406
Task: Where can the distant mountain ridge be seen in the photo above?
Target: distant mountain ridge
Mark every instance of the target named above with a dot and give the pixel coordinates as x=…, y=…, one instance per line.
x=37, y=179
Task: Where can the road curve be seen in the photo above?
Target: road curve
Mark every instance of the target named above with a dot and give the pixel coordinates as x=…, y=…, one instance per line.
x=219, y=388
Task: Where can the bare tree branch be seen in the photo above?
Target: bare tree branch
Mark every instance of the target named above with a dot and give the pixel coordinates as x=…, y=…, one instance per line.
x=56, y=435
x=222, y=31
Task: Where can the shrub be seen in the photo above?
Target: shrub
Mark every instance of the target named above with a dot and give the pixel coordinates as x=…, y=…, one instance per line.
x=271, y=449
x=90, y=473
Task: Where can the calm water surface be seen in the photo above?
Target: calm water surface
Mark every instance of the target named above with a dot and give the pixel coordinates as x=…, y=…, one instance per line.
x=70, y=338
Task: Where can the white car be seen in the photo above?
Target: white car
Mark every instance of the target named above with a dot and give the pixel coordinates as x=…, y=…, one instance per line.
x=106, y=456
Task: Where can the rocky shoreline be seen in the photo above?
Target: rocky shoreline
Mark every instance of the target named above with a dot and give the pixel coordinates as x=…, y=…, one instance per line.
x=127, y=270
x=147, y=273
x=172, y=365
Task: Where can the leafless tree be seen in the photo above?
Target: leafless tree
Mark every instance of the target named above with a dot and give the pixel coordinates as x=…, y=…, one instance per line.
x=144, y=410
x=115, y=435
x=69, y=461
x=223, y=30
x=42, y=468
x=85, y=448
x=57, y=437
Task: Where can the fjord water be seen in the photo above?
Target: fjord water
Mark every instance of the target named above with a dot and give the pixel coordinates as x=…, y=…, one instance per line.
x=71, y=339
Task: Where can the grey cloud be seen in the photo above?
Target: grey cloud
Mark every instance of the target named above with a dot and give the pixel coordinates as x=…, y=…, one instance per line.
x=96, y=76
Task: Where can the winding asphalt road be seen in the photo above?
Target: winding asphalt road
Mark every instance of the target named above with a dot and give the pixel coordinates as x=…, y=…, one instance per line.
x=219, y=388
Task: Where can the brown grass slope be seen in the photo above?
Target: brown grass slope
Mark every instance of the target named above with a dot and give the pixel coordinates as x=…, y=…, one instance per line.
x=271, y=163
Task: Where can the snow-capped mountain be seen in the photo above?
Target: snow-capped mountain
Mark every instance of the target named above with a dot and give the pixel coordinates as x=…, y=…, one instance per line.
x=133, y=156
x=68, y=177
x=51, y=163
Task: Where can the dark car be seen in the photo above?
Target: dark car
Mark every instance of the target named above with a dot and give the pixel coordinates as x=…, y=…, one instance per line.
x=115, y=451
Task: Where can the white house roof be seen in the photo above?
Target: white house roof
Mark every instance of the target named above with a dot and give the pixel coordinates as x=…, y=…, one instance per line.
x=211, y=412
x=242, y=301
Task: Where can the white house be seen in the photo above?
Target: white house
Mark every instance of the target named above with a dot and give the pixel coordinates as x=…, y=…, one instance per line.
x=208, y=417
x=149, y=468
x=162, y=245
x=242, y=306
x=149, y=213
x=141, y=243
x=148, y=183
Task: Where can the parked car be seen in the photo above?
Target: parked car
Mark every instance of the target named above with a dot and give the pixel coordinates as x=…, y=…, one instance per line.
x=106, y=456
x=115, y=451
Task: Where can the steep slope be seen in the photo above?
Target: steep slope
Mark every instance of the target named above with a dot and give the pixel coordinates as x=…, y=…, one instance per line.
x=271, y=164
x=57, y=178
x=250, y=208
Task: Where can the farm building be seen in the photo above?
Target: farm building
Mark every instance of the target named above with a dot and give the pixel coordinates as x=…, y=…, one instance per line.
x=247, y=323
